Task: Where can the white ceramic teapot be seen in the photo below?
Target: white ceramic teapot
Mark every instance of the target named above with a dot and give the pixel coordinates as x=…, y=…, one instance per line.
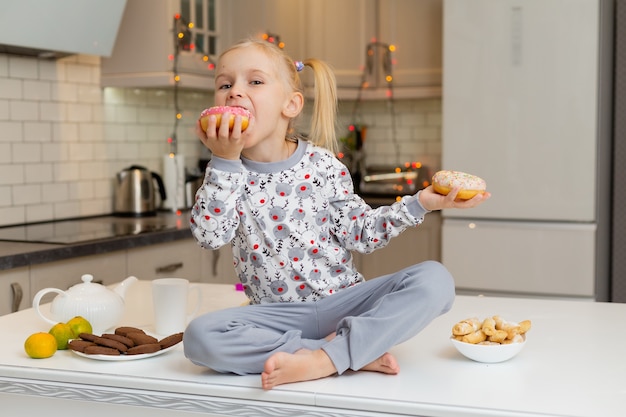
x=101, y=306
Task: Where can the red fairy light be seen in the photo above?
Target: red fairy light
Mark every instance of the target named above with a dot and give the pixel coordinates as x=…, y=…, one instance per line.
x=170, y=57
x=177, y=16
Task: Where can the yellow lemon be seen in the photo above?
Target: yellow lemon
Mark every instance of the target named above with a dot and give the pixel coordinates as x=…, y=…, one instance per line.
x=40, y=345
x=80, y=325
x=62, y=332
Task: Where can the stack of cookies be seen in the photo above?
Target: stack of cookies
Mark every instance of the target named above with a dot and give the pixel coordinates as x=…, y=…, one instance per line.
x=124, y=341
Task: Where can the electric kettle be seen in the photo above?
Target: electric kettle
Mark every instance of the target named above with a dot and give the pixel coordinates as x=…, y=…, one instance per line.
x=135, y=193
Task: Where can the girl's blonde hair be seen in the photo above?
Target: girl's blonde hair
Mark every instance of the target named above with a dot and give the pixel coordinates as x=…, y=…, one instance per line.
x=322, y=130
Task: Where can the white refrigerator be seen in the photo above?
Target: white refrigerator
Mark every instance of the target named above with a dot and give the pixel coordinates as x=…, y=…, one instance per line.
x=526, y=106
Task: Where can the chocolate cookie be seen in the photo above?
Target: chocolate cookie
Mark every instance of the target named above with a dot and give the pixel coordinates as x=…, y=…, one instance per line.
x=118, y=337
x=79, y=345
x=114, y=344
x=88, y=336
x=146, y=348
x=141, y=338
x=124, y=330
x=171, y=340
x=101, y=350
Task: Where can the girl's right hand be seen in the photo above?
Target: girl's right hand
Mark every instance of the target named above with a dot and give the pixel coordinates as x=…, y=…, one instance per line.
x=222, y=142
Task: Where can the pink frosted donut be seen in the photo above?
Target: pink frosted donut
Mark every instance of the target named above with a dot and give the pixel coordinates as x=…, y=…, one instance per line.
x=445, y=181
x=219, y=110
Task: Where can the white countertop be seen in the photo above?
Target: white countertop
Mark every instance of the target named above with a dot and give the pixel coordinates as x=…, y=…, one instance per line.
x=572, y=365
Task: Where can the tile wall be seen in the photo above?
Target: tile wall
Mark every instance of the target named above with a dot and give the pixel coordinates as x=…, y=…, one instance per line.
x=63, y=137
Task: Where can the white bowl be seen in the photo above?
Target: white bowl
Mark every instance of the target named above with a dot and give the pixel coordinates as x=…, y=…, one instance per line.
x=488, y=353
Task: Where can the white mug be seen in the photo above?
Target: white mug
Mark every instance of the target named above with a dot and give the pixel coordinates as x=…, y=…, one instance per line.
x=171, y=304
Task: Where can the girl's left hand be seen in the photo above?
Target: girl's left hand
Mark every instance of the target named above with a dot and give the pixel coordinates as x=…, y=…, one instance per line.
x=431, y=200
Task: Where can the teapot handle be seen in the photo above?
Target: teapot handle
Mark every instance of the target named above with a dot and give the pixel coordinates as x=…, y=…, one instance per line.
x=37, y=300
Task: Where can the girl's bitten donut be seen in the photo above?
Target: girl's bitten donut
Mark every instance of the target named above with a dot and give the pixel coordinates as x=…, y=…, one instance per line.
x=445, y=181
x=219, y=110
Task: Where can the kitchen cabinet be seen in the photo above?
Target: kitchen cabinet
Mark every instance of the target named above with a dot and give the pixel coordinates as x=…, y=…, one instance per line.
x=217, y=266
x=14, y=290
x=336, y=32
x=414, y=245
x=107, y=268
x=250, y=18
x=143, y=51
x=180, y=259
x=339, y=32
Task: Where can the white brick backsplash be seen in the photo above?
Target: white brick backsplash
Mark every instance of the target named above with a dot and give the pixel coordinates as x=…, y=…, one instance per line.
x=52, y=193
x=92, y=170
x=36, y=90
x=79, y=112
x=54, y=152
x=27, y=194
x=89, y=94
x=48, y=70
x=5, y=153
x=24, y=110
x=22, y=67
x=11, y=132
x=81, y=152
x=81, y=190
x=66, y=171
x=60, y=131
x=80, y=74
x=10, y=88
x=4, y=109
x=37, y=131
x=39, y=212
x=5, y=196
x=38, y=173
x=11, y=174
x=90, y=132
x=65, y=92
x=26, y=152
x=12, y=215
x=4, y=66
x=126, y=114
x=54, y=112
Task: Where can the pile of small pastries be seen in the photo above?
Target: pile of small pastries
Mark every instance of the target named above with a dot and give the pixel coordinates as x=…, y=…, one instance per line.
x=491, y=331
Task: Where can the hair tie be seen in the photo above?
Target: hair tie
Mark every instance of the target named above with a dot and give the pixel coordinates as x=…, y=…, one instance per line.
x=299, y=65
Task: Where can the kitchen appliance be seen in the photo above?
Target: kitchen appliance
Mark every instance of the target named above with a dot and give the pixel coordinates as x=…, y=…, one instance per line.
x=192, y=184
x=393, y=181
x=135, y=193
x=61, y=27
x=174, y=178
x=527, y=106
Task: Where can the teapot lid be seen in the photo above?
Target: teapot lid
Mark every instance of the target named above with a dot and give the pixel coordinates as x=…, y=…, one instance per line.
x=87, y=287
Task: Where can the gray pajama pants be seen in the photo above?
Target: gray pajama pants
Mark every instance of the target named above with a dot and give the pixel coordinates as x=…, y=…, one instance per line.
x=368, y=318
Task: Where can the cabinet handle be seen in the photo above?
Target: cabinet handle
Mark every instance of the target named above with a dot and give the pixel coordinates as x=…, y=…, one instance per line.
x=17, y=296
x=169, y=268
x=216, y=258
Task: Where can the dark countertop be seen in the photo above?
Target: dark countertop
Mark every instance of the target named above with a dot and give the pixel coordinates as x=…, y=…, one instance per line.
x=173, y=227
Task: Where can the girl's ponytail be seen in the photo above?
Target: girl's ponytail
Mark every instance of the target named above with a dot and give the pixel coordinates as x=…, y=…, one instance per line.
x=324, y=105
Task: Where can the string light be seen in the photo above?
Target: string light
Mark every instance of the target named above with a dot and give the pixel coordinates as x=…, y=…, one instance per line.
x=273, y=38
x=182, y=42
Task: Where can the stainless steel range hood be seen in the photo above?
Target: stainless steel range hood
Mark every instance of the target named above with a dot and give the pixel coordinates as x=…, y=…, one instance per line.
x=56, y=28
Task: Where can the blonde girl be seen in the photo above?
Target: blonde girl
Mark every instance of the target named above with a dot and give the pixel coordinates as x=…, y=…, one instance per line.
x=287, y=207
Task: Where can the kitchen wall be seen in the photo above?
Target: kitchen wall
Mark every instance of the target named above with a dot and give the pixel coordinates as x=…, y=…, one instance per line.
x=63, y=137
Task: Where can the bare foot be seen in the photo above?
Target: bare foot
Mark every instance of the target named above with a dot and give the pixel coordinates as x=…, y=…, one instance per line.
x=304, y=365
x=387, y=364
